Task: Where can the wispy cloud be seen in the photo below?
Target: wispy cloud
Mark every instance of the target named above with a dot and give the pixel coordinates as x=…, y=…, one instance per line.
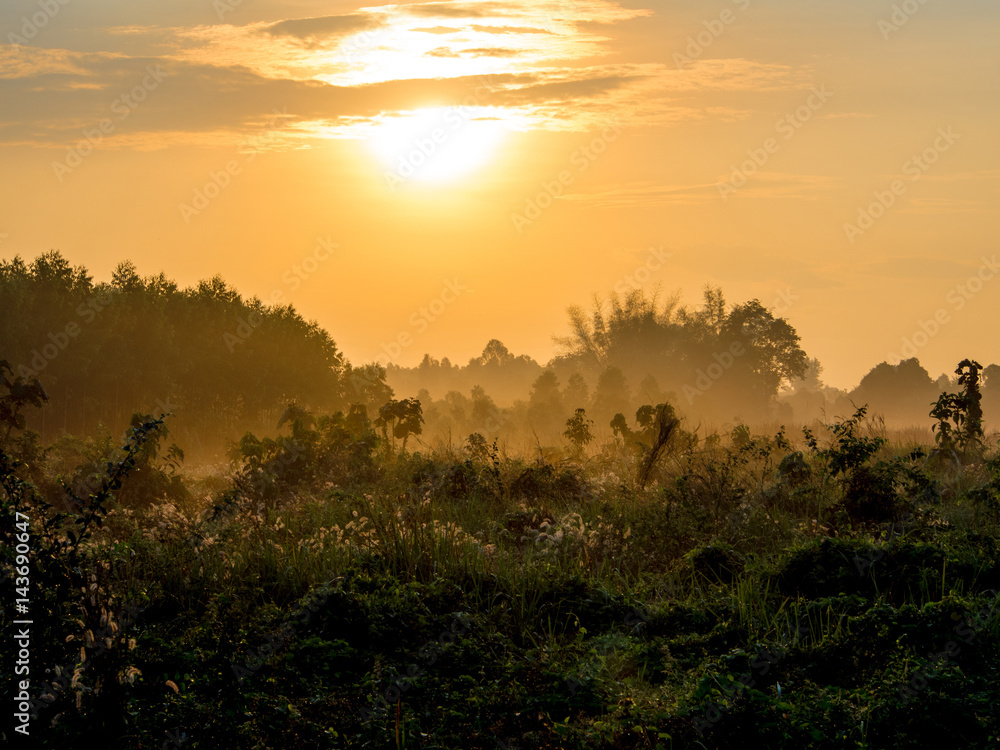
x=535, y=64
x=649, y=194
x=646, y=194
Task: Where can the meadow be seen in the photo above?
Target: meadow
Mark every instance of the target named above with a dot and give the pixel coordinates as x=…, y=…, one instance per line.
x=333, y=587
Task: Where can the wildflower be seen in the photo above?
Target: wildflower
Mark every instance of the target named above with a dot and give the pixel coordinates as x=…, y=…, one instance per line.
x=129, y=675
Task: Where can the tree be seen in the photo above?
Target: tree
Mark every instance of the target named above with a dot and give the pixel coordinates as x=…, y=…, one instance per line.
x=959, y=415
x=772, y=354
x=104, y=351
x=643, y=337
x=366, y=385
x=991, y=394
x=807, y=397
x=484, y=409
x=400, y=418
x=504, y=375
x=578, y=430
x=576, y=393
x=19, y=395
x=810, y=380
x=650, y=391
x=900, y=393
x=495, y=353
x=545, y=403
x=629, y=332
x=656, y=428
x=612, y=393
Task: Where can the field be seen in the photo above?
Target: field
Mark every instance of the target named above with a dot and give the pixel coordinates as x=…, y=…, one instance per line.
x=500, y=374
x=827, y=588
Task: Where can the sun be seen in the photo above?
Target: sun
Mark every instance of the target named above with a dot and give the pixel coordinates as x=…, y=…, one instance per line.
x=436, y=145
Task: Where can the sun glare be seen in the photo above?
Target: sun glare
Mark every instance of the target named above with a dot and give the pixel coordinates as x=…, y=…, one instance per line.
x=436, y=145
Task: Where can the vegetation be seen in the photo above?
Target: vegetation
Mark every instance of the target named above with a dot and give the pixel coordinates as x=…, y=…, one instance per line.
x=661, y=589
x=222, y=363
x=554, y=557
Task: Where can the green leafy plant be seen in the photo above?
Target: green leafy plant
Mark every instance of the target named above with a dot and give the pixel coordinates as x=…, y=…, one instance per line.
x=959, y=427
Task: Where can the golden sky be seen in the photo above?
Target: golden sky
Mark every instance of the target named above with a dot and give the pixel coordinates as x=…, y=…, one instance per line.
x=439, y=174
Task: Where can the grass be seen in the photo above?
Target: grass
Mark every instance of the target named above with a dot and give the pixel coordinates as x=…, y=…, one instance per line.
x=454, y=601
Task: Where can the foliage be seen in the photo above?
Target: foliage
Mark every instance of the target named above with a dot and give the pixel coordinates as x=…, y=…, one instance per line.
x=578, y=430
x=399, y=420
x=899, y=392
x=638, y=336
x=873, y=490
x=221, y=363
x=340, y=446
x=754, y=591
x=658, y=431
x=65, y=584
x=960, y=415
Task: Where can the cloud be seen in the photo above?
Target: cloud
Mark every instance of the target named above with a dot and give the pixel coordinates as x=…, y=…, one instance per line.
x=735, y=74
x=336, y=73
x=557, y=91
x=945, y=205
x=324, y=27
x=763, y=184
x=845, y=116
x=645, y=194
x=952, y=177
x=491, y=52
x=22, y=61
x=206, y=100
x=455, y=10
x=510, y=30
x=437, y=30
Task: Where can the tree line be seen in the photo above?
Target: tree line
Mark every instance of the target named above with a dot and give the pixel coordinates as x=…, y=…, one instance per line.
x=223, y=364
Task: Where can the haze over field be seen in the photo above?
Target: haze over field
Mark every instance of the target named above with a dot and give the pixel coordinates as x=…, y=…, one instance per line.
x=459, y=171
x=477, y=374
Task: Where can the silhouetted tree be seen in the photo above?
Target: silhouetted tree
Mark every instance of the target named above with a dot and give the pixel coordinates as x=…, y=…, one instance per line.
x=576, y=393
x=400, y=420
x=578, y=430
x=991, y=394
x=900, y=393
x=677, y=346
x=960, y=415
x=611, y=394
x=545, y=403
x=103, y=351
